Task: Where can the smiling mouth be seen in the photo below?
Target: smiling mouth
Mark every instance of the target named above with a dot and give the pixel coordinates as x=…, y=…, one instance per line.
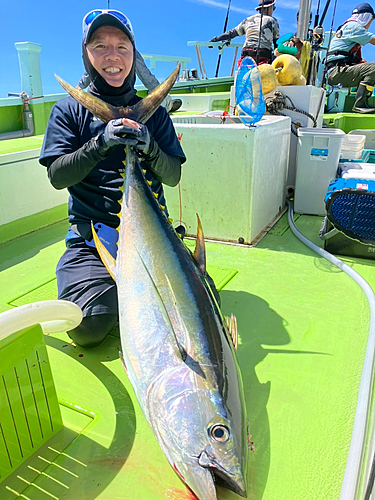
x=112, y=70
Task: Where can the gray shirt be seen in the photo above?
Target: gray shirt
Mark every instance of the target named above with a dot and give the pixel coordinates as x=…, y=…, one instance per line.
x=251, y=26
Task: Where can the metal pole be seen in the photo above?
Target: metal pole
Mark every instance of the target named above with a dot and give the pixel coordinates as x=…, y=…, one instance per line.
x=303, y=19
x=204, y=69
x=199, y=61
x=234, y=62
x=260, y=32
x=224, y=30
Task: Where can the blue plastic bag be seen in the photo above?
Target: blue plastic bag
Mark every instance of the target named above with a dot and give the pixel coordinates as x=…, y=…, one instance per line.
x=249, y=97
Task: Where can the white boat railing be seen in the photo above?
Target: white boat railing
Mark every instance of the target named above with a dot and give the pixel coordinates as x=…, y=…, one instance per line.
x=221, y=45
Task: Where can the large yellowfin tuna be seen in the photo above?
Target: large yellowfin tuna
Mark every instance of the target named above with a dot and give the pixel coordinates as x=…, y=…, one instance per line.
x=178, y=352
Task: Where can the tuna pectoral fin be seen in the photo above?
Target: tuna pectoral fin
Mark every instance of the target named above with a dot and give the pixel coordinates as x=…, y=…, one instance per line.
x=106, y=257
x=179, y=347
x=200, y=250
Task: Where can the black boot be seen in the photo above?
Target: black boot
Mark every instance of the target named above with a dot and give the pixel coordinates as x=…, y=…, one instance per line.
x=176, y=104
x=361, y=104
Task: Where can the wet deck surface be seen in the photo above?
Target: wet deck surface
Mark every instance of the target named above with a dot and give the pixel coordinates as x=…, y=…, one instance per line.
x=303, y=328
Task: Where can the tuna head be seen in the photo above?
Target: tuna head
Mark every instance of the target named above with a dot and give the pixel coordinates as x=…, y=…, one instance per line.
x=203, y=442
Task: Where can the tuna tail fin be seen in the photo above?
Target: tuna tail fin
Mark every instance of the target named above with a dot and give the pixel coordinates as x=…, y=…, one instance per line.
x=99, y=108
x=106, y=257
x=200, y=250
x=145, y=108
x=140, y=112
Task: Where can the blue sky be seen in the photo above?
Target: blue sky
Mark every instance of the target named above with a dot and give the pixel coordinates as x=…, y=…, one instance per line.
x=161, y=27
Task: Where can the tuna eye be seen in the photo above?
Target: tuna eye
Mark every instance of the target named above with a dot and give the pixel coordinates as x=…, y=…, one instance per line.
x=220, y=433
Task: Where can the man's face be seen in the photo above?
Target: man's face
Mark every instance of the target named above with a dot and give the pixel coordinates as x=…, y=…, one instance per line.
x=111, y=53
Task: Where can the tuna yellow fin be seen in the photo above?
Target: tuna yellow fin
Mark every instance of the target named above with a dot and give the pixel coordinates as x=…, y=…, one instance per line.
x=106, y=257
x=200, y=251
x=231, y=328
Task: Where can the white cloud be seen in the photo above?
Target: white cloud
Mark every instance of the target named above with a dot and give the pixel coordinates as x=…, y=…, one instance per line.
x=282, y=4
x=222, y=5
x=288, y=4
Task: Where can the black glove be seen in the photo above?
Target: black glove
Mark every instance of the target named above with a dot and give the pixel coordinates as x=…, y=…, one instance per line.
x=112, y=135
x=140, y=137
x=214, y=39
x=117, y=133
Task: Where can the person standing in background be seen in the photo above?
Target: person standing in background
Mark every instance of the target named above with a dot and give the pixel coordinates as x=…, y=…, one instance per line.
x=261, y=30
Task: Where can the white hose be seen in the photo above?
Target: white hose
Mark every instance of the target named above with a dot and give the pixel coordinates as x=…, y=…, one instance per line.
x=53, y=315
x=349, y=487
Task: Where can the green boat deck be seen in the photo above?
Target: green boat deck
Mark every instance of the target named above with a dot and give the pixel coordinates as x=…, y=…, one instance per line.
x=303, y=328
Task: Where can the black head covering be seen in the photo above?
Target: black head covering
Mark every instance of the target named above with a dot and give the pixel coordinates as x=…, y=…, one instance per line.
x=118, y=96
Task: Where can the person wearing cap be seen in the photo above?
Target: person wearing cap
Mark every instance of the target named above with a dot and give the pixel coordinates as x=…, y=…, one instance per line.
x=261, y=30
x=344, y=63
x=85, y=155
x=147, y=78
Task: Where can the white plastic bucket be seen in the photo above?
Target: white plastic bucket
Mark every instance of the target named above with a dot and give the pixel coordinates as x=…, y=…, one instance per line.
x=355, y=141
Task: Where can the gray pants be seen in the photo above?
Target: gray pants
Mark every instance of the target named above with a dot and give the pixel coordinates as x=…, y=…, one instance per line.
x=351, y=76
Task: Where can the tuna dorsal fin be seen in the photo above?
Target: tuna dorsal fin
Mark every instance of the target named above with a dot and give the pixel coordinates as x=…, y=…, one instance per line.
x=139, y=112
x=106, y=257
x=231, y=327
x=200, y=251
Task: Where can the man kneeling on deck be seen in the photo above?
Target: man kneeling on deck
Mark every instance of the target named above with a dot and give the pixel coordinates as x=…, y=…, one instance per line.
x=344, y=63
x=86, y=156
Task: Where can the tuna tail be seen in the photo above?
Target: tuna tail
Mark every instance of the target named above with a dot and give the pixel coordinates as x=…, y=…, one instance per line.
x=140, y=112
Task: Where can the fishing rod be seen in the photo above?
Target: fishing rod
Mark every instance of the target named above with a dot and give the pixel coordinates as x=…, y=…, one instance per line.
x=224, y=30
x=316, y=19
x=317, y=39
x=324, y=12
x=260, y=33
x=329, y=41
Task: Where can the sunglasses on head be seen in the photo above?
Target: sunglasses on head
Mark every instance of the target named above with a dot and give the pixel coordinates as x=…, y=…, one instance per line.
x=88, y=19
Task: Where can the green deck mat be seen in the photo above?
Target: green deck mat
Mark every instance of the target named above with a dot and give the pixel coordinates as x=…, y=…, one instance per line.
x=21, y=144
x=303, y=328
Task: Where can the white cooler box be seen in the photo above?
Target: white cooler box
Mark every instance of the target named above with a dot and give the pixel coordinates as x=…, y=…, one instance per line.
x=318, y=154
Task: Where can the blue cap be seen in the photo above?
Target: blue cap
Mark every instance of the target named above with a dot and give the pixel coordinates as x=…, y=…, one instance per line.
x=105, y=17
x=362, y=8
